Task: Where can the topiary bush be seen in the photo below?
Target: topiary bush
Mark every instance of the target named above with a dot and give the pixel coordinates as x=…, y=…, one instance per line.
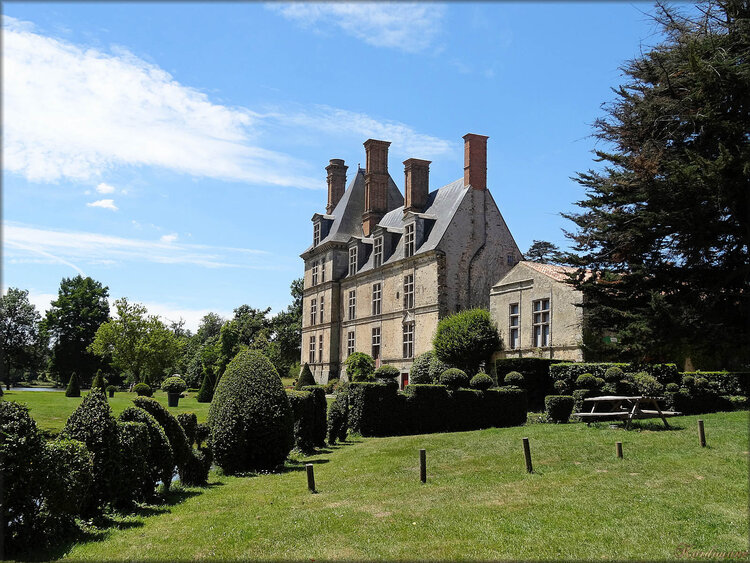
x=252, y=424
x=338, y=418
x=561, y=386
x=466, y=339
x=206, y=392
x=437, y=367
x=579, y=395
x=387, y=373
x=321, y=408
x=360, y=367
x=305, y=378
x=514, y=378
x=189, y=423
x=613, y=374
x=537, y=381
x=134, y=482
x=160, y=457
x=111, y=390
x=142, y=390
x=454, y=378
x=558, y=407
x=648, y=385
x=303, y=407
x=202, y=433
x=174, y=385
x=69, y=478
x=420, y=369
x=481, y=381
x=372, y=409
x=183, y=454
x=74, y=386
x=672, y=388
x=99, y=382
x=93, y=424
x=586, y=381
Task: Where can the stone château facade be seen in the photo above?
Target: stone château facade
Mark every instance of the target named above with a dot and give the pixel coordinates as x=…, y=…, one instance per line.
x=384, y=268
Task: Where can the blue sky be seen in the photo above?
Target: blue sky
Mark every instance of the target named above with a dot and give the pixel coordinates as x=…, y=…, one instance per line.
x=176, y=151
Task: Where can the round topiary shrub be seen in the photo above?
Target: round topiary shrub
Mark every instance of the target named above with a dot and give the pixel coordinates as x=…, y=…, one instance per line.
x=74, y=386
x=305, y=378
x=648, y=385
x=688, y=381
x=252, y=425
x=599, y=382
x=454, y=378
x=559, y=407
x=142, y=390
x=627, y=387
x=672, y=388
x=586, y=381
x=360, y=367
x=160, y=457
x=387, y=372
x=701, y=383
x=174, y=385
x=613, y=374
x=481, y=381
x=466, y=339
x=561, y=387
x=514, y=378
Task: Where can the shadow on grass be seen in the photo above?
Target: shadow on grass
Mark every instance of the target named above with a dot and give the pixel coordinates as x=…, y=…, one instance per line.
x=654, y=426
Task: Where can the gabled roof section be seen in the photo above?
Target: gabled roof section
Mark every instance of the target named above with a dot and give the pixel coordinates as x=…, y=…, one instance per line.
x=557, y=273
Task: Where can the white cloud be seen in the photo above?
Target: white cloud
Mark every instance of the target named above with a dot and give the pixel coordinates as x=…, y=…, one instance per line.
x=169, y=238
x=104, y=204
x=410, y=27
x=74, y=248
x=105, y=188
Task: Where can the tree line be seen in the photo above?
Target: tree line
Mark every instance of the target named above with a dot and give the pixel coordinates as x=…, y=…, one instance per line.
x=80, y=334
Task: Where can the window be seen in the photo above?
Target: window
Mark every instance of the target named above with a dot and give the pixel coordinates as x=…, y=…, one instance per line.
x=377, y=252
x=511, y=260
x=352, y=260
x=313, y=311
x=541, y=323
x=320, y=348
x=315, y=273
x=322, y=308
x=352, y=304
x=377, y=293
x=376, y=345
x=514, y=325
x=409, y=291
x=312, y=349
x=316, y=234
x=322, y=271
x=408, y=340
x=350, y=343
x=409, y=240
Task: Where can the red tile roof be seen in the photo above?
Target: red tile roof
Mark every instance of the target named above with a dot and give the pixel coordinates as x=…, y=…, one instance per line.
x=557, y=273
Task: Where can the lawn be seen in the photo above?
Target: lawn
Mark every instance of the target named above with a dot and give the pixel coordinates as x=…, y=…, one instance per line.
x=51, y=409
x=478, y=503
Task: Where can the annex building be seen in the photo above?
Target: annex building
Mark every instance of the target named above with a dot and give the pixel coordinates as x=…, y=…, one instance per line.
x=384, y=267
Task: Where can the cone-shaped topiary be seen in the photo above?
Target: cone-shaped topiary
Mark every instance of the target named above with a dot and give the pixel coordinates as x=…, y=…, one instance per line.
x=305, y=378
x=99, y=382
x=74, y=387
x=160, y=457
x=252, y=425
x=206, y=392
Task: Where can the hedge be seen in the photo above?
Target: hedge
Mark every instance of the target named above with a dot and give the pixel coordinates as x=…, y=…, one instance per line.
x=189, y=423
x=160, y=455
x=303, y=408
x=134, y=483
x=372, y=409
x=569, y=372
x=729, y=382
x=319, y=421
x=559, y=407
x=338, y=418
x=537, y=380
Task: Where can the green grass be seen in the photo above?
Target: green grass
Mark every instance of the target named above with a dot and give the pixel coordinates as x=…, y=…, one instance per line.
x=51, y=409
x=478, y=503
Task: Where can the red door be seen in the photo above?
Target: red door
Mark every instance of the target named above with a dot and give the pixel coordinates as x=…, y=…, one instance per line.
x=404, y=380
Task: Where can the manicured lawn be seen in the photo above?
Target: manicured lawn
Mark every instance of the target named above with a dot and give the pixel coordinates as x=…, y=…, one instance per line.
x=479, y=503
x=51, y=409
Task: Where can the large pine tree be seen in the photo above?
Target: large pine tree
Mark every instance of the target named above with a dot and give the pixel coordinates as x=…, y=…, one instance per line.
x=664, y=227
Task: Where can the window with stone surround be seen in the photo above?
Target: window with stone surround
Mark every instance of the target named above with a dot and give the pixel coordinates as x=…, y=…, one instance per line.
x=352, y=304
x=408, y=340
x=540, y=323
x=377, y=294
x=322, y=308
x=511, y=260
x=313, y=311
x=409, y=291
x=315, y=273
x=320, y=348
x=350, y=343
x=322, y=271
x=376, y=345
x=316, y=234
x=312, y=350
x=377, y=252
x=514, y=326
x=352, y=260
x=409, y=240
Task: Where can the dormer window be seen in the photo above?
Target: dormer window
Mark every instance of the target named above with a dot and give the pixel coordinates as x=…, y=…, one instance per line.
x=377, y=252
x=409, y=240
x=352, y=260
x=316, y=234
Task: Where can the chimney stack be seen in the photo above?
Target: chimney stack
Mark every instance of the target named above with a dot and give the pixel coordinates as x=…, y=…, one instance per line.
x=376, y=184
x=475, y=161
x=416, y=184
x=336, y=182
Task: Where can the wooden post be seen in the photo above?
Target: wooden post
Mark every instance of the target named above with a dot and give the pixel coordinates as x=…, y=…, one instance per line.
x=527, y=455
x=310, y=477
x=423, y=466
x=618, y=447
x=701, y=434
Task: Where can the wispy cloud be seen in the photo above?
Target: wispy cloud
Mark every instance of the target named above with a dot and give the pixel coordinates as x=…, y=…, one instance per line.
x=103, y=188
x=410, y=27
x=104, y=204
x=74, y=248
x=169, y=238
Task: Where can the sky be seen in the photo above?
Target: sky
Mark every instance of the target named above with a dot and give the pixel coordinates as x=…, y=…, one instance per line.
x=176, y=152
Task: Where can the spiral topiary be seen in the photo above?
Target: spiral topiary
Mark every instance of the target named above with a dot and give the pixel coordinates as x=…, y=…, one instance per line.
x=252, y=425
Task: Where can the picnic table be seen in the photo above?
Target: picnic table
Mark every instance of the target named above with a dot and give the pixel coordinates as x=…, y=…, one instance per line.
x=615, y=407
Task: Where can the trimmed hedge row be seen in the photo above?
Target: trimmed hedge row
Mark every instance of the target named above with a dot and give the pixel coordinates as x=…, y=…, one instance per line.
x=728, y=382
x=303, y=408
x=381, y=410
x=320, y=425
x=569, y=372
x=535, y=371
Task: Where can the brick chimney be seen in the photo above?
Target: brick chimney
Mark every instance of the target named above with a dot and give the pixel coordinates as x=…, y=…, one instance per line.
x=376, y=184
x=416, y=184
x=336, y=182
x=475, y=161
